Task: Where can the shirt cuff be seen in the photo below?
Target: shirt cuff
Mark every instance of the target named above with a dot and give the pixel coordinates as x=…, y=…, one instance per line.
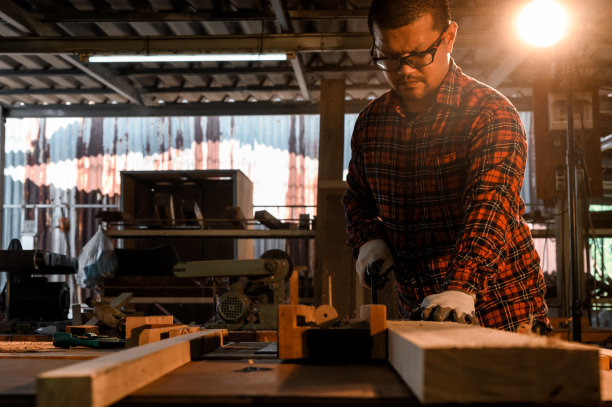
x=369, y=230
x=468, y=277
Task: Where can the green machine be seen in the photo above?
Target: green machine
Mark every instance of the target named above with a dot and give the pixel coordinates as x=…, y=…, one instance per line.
x=252, y=301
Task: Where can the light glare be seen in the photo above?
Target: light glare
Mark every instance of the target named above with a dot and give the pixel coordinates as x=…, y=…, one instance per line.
x=189, y=58
x=542, y=23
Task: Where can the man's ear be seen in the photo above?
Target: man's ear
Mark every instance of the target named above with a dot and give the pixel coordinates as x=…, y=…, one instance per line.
x=451, y=35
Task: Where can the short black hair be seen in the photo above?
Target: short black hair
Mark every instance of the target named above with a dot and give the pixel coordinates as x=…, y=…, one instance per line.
x=391, y=14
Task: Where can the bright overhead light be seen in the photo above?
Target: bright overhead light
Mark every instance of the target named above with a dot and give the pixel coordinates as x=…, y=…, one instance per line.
x=542, y=23
x=189, y=58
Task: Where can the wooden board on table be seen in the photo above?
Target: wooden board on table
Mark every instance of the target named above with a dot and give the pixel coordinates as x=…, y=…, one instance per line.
x=446, y=362
x=103, y=381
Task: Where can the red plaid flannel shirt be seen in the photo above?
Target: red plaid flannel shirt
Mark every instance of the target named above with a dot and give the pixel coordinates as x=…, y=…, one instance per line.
x=443, y=190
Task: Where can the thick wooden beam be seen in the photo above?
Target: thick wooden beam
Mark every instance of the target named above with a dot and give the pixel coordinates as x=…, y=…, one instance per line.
x=445, y=362
x=103, y=381
x=334, y=276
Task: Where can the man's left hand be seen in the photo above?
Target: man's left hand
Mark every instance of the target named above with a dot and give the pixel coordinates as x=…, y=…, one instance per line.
x=449, y=305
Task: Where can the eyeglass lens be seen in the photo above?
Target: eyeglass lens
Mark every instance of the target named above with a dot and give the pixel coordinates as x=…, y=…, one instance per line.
x=414, y=61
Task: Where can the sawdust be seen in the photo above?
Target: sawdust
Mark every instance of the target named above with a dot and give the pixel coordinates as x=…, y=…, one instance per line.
x=26, y=347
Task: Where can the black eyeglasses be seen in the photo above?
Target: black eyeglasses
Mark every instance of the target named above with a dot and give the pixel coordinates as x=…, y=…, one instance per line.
x=415, y=60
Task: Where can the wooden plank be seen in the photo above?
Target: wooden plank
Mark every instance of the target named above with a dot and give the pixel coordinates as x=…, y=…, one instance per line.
x=376, y=315
x=291, y=343
x=588, y=335
x=606, y=385
x=605, y=359
x=105, y=380
x=157, y=334
x=445, y=362
x=133, y=325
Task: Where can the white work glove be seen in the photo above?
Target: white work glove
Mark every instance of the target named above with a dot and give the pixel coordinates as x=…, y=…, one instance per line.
x=449, y=305
x=369, y=252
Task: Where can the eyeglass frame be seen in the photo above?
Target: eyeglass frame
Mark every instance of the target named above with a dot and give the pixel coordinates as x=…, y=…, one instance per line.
x=403, y=59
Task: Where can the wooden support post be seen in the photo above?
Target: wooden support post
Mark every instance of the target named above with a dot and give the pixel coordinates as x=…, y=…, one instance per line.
x=445, y=362
x=103, y=381
x=333, y=257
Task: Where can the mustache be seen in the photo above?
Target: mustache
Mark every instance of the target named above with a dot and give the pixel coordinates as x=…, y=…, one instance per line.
x=409, y=78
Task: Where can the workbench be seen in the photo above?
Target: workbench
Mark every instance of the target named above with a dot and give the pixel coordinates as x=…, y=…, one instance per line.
x=232, y=380
x=233, y=375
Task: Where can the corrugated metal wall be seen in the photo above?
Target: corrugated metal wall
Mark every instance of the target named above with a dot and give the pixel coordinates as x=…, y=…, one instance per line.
x=72, y=162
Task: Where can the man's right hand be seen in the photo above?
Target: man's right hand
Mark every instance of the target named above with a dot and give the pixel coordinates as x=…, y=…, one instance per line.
x=369, y=252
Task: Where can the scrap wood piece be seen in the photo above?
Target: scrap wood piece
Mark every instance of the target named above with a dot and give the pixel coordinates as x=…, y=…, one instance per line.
x=103, y=381
x=446, y=362
x=156, y=333
x=291, y=326
x=134, y=325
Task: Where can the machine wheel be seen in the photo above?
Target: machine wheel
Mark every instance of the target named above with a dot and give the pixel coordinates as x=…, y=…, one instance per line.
x=279, y=255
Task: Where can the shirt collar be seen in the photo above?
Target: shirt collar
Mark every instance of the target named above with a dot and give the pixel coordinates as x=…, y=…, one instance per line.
x=449, y=92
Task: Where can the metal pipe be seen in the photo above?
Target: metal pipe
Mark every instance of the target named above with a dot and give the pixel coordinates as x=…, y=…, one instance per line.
x=572, y=198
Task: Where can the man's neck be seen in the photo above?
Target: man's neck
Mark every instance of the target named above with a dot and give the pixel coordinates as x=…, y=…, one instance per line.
x=416, y=107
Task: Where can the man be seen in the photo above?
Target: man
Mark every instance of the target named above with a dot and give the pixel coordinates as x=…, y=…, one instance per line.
x=433, y=188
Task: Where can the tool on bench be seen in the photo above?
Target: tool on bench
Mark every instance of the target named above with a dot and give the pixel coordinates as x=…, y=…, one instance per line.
x=91, y=340
x=375, y=278
x=29, y=299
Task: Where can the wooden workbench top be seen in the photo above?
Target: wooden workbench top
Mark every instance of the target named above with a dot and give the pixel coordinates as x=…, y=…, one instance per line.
x=276, y=382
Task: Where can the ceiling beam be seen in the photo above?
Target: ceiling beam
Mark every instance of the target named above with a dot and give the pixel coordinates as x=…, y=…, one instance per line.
x=284, y=22
x=180, y=90
x=108, y=79
x=131, y=71
x=21, y=19
x=240, y=15
x=192, y=109
x=177, y=109
x=313, y=42
x=38, y=73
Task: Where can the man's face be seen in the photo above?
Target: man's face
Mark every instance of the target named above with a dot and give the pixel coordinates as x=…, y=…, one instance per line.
x=416, y=87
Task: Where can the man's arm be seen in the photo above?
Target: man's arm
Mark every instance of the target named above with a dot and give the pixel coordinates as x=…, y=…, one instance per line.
x=361, y=213
x=492, y=202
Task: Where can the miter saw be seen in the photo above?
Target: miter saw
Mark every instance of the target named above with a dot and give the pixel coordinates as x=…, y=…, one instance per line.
x=257, y=287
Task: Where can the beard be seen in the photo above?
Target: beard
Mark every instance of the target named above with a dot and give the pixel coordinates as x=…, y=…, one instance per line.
x=411, y=88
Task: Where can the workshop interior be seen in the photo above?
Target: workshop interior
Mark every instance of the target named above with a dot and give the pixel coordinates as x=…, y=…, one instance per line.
x=172, y=223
